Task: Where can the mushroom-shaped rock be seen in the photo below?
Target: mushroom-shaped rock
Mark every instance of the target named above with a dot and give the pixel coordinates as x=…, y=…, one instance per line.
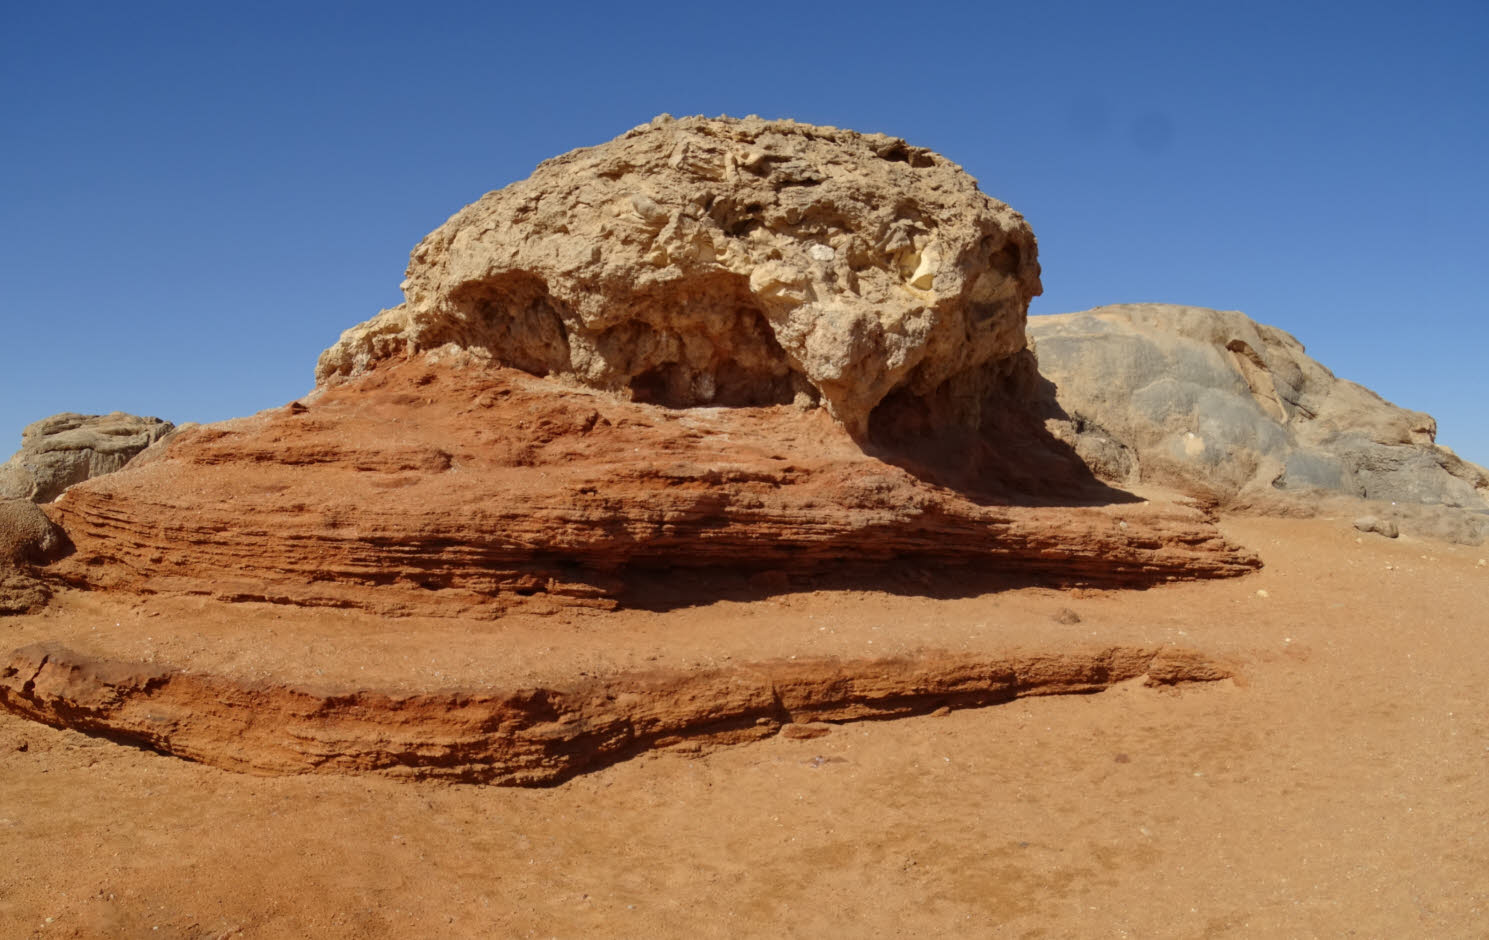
x=724, y=262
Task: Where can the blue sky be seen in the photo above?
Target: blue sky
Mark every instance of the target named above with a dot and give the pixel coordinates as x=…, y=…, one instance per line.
x=197, y=198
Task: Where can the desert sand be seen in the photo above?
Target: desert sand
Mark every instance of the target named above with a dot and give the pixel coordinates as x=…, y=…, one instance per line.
x=1333, y=786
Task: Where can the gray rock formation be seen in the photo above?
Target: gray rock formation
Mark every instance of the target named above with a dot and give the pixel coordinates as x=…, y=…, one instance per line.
x=1219, y=406
x=69, y=448
x=726, y=262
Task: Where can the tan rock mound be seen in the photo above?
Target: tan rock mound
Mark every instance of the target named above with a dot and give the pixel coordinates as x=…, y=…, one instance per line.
x=725, y=262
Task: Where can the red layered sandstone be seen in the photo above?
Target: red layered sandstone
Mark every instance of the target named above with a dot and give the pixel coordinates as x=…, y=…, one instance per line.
x=432, y=488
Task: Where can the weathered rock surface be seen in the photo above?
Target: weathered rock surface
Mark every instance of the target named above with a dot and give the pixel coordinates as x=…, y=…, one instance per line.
x=428, y=487
x=1219, y=406
x=69, y=448
x=727, y=262
x=534, y=736
x=27, y=536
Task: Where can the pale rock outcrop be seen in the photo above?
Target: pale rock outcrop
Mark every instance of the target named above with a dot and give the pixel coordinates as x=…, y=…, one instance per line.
x=69, y=448
x=726, y=262
x=1220, y=406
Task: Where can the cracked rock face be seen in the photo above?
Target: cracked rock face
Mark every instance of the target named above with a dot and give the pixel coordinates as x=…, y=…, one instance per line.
x=724, y=262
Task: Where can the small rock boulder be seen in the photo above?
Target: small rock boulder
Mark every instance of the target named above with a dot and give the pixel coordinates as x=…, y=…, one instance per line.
x=1377, y=525
x=69, y=448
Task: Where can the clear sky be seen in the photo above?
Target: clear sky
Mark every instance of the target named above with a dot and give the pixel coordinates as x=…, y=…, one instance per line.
x=196, y=198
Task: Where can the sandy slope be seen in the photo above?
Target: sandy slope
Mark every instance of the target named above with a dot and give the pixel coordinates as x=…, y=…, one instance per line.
x=1336, y=786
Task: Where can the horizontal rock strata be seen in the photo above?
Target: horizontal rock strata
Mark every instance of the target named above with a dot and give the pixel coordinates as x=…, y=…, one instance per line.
x=431, y=488
x=533, y=736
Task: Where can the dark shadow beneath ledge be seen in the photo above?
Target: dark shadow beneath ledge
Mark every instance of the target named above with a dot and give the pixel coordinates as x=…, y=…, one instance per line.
x=983, y=435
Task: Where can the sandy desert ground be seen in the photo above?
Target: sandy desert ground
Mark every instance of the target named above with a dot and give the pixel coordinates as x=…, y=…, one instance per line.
x=1334, y=787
